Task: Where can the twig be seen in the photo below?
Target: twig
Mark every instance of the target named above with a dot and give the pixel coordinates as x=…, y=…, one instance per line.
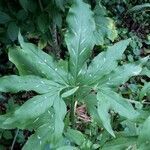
x=55, y=40
x=13, y=143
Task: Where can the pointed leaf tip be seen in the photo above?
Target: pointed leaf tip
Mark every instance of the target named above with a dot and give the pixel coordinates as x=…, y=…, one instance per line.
x=20, y=38
x=70, y=92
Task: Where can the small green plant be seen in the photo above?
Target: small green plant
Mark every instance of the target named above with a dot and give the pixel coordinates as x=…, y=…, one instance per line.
x=59, y=85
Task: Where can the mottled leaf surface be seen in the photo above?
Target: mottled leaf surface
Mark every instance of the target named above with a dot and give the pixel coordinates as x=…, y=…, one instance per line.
x=106, y=62
x=16, y=83
x=120, y=75
x=109, y=100
x=79, y=37
x=31, y=60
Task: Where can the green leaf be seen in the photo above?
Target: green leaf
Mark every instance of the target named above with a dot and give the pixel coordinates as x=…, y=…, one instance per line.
x=31, y=60
x=7, y=135
x=138, y=8
x=67, y=148
x=91, y=103
x=60, y=112
x=144, y=136
x=12, y=31
x=24, y=115
x=105, y=26
x=31, y=109
x=120, y=75
x=69, y=92
x=24, y=4
x=4, y=18
x=145, y=91
x=16, y=83
x=105, y=62
x=60, y=4
x=79, y=37
x=75, y=136
x=145, y=71
x=43, y=134
x=107, y=99
x=121, y=143
x=43, y=22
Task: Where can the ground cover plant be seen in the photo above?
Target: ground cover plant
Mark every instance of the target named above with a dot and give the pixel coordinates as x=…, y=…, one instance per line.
x=80, y=93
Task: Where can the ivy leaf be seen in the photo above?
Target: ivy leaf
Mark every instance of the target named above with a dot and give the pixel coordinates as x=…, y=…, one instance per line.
x=79, y=37
x=105, y=62
x=16, y=83
x=107, y=99
x=144, y=136
x=120, y=75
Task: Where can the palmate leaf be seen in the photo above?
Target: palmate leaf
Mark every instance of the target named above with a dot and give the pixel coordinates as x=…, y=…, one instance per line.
x=42, y=75
x=44, y=113
x=79, y=37
x=31, y=60
x=109, y=100
x=105, y=62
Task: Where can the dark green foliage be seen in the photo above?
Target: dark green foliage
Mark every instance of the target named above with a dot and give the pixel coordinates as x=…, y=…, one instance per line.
x=82, y=75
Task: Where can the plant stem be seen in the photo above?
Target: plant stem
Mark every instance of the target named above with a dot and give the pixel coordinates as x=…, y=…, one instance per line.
x=55, y=40
x=41, y=6
x=13, y=143
x=72, y=113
